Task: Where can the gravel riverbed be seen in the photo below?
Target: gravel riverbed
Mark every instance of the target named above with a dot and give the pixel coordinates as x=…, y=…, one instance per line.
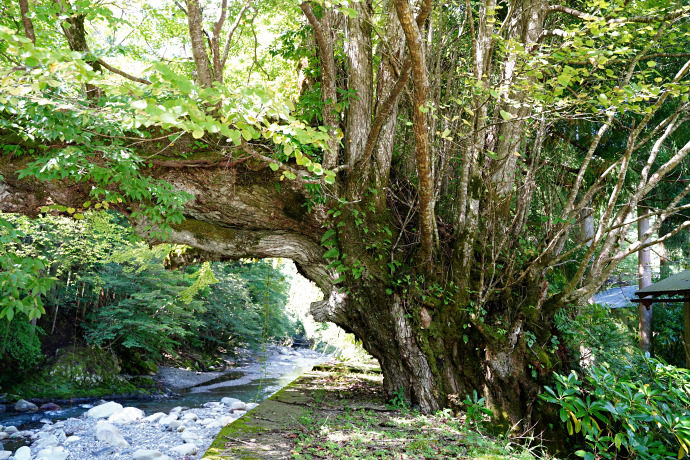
x=109, y=430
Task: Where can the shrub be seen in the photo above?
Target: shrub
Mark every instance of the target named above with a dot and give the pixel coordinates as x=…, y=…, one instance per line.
x=642, y=414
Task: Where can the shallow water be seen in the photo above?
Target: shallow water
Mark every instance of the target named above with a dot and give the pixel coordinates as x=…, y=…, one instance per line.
x=250, y=382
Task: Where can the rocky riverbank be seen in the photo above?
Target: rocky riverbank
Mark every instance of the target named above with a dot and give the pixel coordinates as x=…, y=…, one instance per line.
x=108, y=430
x=112, y=431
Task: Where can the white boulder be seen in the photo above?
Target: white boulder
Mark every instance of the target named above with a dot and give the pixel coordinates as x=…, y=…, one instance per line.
x=126, y=415
x=149, y=454
x=5, y=454
x=238, y=405
x=4, y=435
x=190, y=416
x=104, y=410
x=154, y=417
x=228, y=401
x=53, y=453
x=23, y=453
x=11, y=429
x=185, y=450
x=108, y=433
x=72, y=439
x=46, y=441
x=165, y=421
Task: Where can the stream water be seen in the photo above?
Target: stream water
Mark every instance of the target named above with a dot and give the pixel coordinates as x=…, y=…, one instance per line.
x=253, y=381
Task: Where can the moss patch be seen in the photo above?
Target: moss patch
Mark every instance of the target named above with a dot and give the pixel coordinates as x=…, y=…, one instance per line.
x=78, y=372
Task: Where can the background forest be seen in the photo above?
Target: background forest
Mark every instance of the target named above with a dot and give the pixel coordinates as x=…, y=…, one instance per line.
x=111, y=291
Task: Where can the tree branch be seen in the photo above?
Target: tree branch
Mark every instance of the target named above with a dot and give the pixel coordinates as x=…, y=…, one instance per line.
x=234, y=27
x=26, y=20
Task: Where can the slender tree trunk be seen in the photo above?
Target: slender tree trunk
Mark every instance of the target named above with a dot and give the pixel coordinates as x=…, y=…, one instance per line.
x=26, y=20
x=644, y=271
x=196, y=34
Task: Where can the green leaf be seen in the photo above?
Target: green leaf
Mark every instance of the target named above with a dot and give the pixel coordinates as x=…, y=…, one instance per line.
x=326, y=236
x=198, y=133
x=651, y=64
x=331, y=253
x=506, y=116
x=274, y=166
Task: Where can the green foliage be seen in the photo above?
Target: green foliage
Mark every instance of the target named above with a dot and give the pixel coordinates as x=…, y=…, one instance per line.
x=20, y=348
x=476, y=412
x=668, y=333
x=641, y=414
x=122, y=299
x=145, y=310
x=596, y=333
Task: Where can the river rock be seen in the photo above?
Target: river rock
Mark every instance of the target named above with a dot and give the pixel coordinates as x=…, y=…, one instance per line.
x=149, y=454
x=189, y=437
x=49, y=406
x=3, y=435
x=25, y=406
x=127, y=415
x=154, y=417
x=251, y=406
x=174, y=425
x=11, y=429
x=165, y=421
x=176, y=410
x=108, y=433
x=211, y=404
x=238, y=405
x=5, y=454
x=53, y=453
x=23, y=453
x=46, y=441
x=72, y=439
x=104, y=410
x=190, y=416
x=185, y=450
x=229, y=401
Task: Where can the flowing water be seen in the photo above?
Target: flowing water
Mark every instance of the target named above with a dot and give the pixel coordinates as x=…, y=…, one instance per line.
x=249, y=382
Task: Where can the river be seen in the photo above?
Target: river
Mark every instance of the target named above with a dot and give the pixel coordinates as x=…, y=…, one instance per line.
x=252, y=381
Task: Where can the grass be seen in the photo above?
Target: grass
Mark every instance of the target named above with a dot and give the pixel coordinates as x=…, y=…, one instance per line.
x=340, y=426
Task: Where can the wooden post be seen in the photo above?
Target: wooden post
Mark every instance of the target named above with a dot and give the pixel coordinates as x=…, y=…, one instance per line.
x=686, y=331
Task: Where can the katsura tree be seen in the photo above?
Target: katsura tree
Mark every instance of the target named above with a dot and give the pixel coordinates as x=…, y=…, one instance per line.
x=427, y=187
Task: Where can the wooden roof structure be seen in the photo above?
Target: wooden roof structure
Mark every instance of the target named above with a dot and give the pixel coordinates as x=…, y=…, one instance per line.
x=678, y=284
x=675, y=288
